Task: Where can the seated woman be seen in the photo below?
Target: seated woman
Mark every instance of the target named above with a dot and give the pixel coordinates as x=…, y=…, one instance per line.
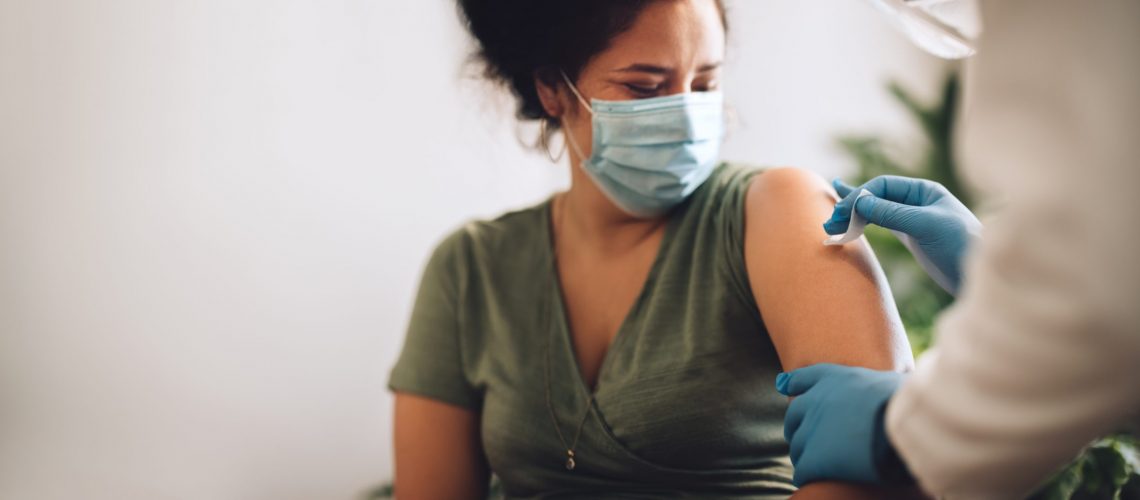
x=622, y=338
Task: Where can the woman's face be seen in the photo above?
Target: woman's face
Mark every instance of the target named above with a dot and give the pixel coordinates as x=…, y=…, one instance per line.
x=672, y=47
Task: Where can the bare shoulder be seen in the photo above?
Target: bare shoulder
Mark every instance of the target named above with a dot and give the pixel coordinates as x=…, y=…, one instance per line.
x=784, y=179
x=795, y=188
x=790, y=202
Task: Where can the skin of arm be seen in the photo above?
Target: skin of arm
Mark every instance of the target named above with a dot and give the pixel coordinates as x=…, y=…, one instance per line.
x=820, y=304
x=439, y=454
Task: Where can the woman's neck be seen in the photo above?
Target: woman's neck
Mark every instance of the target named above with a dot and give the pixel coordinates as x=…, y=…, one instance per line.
x=588, y=219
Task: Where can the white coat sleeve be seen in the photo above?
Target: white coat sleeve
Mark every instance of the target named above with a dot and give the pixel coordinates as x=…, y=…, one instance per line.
x=1041, y=353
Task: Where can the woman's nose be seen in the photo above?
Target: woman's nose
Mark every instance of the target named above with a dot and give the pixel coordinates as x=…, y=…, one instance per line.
x=679, y=87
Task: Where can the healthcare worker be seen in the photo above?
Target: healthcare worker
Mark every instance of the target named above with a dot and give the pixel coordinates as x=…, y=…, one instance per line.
x=1041, y=352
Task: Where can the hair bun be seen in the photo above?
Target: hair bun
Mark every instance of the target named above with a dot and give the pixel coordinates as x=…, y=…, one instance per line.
x=518, y=39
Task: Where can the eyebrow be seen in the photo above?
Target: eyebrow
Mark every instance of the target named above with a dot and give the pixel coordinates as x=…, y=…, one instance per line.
x=661, y=70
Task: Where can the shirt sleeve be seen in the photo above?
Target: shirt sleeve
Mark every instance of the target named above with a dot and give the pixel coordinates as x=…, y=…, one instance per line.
x=1039, y=355
x=431, y=362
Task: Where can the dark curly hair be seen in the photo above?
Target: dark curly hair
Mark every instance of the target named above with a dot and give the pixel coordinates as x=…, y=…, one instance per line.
x=522, y=39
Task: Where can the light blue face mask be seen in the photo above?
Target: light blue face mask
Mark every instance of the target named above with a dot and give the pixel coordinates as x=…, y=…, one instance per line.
x=650, y=154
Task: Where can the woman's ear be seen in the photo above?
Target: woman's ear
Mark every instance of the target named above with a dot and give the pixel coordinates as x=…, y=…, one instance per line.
x=549, y=93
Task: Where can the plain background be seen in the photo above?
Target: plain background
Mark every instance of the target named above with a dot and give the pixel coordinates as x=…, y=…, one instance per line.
x=213, y=216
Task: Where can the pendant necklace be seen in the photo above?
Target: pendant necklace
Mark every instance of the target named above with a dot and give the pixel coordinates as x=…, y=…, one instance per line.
x=570, y=463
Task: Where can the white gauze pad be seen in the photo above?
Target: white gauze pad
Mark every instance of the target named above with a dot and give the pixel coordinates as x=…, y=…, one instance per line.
x=855, y=229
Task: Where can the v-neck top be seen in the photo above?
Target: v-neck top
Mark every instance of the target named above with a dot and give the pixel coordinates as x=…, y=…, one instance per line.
x=684, y=404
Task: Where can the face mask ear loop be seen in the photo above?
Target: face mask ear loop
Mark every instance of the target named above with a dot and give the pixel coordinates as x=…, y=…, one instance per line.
x=575, y=91
x=573, y=143
x=566, y=130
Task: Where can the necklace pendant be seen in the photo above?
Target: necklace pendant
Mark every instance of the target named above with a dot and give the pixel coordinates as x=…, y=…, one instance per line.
x=570, y=464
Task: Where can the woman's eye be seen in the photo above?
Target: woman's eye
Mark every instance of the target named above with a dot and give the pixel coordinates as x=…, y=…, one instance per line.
x=641, y=89
x=708, y=87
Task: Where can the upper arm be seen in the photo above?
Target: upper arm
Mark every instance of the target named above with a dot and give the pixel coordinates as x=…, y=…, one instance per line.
x=439, y=454
x=819, y=304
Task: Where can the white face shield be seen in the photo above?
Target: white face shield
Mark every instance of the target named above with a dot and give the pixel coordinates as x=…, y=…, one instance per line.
x=945, y=28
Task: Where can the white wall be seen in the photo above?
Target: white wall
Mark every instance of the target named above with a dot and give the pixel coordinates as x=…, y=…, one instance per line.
x=213, y=215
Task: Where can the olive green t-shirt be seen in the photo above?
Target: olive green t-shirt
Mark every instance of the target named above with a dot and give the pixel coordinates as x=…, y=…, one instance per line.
x=685, y=403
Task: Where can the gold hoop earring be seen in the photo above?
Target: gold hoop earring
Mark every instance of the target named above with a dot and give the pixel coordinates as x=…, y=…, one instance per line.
x=544, y=138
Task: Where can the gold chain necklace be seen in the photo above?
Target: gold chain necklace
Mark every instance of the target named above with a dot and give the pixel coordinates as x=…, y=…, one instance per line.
x=570, y=463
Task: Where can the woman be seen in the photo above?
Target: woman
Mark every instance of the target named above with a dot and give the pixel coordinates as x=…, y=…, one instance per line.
x=622, y=338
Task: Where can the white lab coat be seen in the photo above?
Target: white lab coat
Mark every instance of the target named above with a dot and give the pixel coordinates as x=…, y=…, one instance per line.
x=1041, y=352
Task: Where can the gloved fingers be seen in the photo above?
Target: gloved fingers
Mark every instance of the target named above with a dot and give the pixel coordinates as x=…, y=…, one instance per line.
x=796, y=446
x=799, y=381
x=841, y=187
x=905, y=190
x=837, y=224
x=891, y=215
x=803, y=471
x=797, y=432
x=893, y=188
x=799, y=478
x=797, y=410
x=841, y=215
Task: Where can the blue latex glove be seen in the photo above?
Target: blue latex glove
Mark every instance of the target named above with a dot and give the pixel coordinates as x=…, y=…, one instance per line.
x=940, y=226
x=834, y=425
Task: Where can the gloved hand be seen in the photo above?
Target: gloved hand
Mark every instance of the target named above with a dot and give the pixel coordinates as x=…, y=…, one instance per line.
x=834, y=425
x=940, y=226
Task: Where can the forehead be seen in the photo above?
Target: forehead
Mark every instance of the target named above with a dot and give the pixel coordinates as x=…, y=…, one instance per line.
x=681, y=34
